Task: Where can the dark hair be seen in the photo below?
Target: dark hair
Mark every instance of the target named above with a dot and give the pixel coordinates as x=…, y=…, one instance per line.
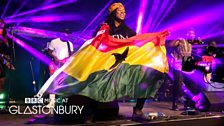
x=112, y=17
x=212, y=43
x=110, y=20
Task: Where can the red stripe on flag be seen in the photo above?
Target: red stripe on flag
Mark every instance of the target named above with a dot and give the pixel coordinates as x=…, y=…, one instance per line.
x=104, y=42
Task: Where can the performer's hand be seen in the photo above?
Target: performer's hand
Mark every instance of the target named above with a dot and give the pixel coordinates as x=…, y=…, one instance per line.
x=166, y=33
x=104, y=26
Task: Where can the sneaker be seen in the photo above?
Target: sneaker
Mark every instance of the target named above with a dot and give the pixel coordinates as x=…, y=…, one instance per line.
x=138, y=115
x=178, y=108
x=88, y=119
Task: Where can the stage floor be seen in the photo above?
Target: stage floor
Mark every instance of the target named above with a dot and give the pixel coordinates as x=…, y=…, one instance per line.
x=172, y=117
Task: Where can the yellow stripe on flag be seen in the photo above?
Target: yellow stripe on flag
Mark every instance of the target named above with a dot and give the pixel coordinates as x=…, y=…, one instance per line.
x=89, y=59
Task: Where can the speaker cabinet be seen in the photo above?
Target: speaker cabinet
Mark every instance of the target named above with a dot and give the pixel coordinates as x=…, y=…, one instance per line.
x=214, y=101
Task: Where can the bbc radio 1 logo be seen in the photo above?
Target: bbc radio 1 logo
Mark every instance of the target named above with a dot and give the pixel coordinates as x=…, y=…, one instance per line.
x=34, y=100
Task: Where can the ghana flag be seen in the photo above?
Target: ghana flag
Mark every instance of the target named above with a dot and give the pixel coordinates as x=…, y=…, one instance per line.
x=110, y=68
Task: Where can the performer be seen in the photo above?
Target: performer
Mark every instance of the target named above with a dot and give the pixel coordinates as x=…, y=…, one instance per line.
x=60, y=49
x=3, y=50
x=108, y=68
x=183, y=50
x=4, y=54
x=119, y=30
x=5, y=61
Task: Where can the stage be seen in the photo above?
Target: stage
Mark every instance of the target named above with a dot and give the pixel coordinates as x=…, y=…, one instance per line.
x=173, y=118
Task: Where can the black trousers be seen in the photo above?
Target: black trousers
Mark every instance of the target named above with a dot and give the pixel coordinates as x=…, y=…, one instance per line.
x=179, y=79
x=140, y=103
x=177, y=87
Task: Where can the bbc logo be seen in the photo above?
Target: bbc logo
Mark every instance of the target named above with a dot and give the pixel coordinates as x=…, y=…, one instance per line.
x=34, y=100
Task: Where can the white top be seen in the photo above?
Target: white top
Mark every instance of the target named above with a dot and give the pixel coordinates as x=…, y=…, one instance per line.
x=60, y=48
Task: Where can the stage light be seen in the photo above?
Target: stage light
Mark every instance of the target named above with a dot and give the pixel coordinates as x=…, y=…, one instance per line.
x=2, y=96
x=165, y=9
x=48, y=18
x=142, y=9
x=132, y=100
x=2, y=107
x=6, y=8
x=213, y=34
x=98, y=17
x=198, y=19
x=30, y=49
x=46, y=7
x=139, y=24
x=151, y=16
x=207, y=68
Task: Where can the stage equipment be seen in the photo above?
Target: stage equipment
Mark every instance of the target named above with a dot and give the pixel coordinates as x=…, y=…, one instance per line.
x=215, y=67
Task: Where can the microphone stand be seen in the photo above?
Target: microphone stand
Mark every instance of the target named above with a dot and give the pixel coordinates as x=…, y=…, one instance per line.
x=13, y=46
x=34, y=82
